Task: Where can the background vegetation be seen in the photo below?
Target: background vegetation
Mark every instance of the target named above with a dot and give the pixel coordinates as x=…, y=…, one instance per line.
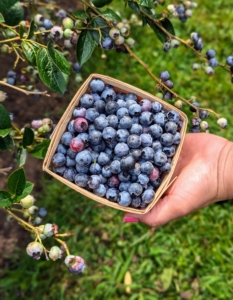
x=189, y=258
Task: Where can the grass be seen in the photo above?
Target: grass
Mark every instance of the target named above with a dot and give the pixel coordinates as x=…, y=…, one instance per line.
x=190, y=257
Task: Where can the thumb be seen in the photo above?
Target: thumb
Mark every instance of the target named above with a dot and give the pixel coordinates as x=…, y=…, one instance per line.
x=166, y=209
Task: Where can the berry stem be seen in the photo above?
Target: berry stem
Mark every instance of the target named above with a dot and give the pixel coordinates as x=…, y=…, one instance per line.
x=24, y=91
x=63, y=244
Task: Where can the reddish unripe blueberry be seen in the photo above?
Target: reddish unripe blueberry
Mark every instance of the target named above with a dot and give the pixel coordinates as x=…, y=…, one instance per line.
x=80, y=124
x=154, y=175
x=36, y=124
x=77, y=144
x=113, y=181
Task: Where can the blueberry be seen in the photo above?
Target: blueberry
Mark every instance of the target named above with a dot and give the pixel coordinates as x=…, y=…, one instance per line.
x=76, y=67
x=121, y=112
x=136, y=153
x=146, y=140
x=156, y=145
x=102, y=178
x=145, y=104
x=134, y=141
x=198, y=45
x=95, y=169
x=125, y=122
x=108, y=95
x=143, y=179
x=97, y=85
x=196, y=121
x=122, y=135
x=156, y=107
x=106, y=171
x=99, y=148
x=148, y=153
x=159, y=119
x=166, y=47
x=148, y=196
x=91, y=127
x=136, y=129
x=124, y=177
x=146, y=118
x=130, y=102
x=173, y=116
x=77, y=144
x=164, y=75
x=136, y=201
x=83, y=158
x=82, y=169
x=135, y=110
x=177, y=138
x=10, y=80
x=195, y=129
x=171, y=127
x=58, y=160
x=131, y=96
x=167, y=139
x=210, y=54
x=156, y=183
x=79, y=112
x=113, y=181
x=59, y=170
x=66, y=138
x=124, y=186
x=103, y=159
x=11, y=74
x=71, y=153
x=127, y=163
x=147, y=167
x=166, y=167
x=87, y=101
x=95, y=137
x=91, y=114
x=115, y=167
x=42, y=212
x=121, y=96
x=112, y=120
x=135, y=189
x=101, y=122
x=155, y=131
x=47, y=24
x=160, y=158
x=109, y=152
x=154, y=175
x=100, y=191
x=69, y=174
x=112, y=194
x=62, y=149
x=169, y=151
x=99, y=105
x=111, y=107
x=168, y=96
x=107, y=43
x=84, y=137
x=136, y=171
x=213, y=62
x=70, y=127
x=70, y=162
x=121, y=149
x=203, y=114
x=229, y=61
x=80, y=124
x=94, y=181
x=121, y=103
x=124, y=199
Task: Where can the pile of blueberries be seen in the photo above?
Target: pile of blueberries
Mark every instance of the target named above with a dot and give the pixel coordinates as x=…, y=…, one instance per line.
x=118, y=147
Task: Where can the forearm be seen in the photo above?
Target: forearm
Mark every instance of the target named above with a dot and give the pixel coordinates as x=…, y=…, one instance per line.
x=225, y=173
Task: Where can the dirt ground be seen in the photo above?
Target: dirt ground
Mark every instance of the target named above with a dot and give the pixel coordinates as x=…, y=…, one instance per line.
x=25, y=109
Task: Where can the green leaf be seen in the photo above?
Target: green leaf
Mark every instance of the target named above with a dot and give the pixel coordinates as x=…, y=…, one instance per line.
x=85, y=46
x=146, y=10
x=21, y=156
x=5, y=4
x=146, y=3
x=27, y=191
x=5, y=121
x=4, y=132
x=134, y=6
x=16, y=182
x=28, y=137
x=168, y=26
x=5, y=199
x=109, y=14
x=6, y=143
x=14, y=14
x=97, y=23
x=31, y=30
x=101, y=3
x=1, y=18
x=49, y=73
x=40, y=150
x=58, y=59
x=30, y=51
x=81, y=14
x=159, y=33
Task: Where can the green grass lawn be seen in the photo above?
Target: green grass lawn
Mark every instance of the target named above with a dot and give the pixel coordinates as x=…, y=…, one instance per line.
x=189, y=258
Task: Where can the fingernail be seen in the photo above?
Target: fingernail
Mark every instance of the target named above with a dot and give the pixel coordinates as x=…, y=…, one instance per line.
x=130, y=220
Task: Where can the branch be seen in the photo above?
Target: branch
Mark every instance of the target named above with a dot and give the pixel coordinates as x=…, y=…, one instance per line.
x=4, y=171
x=24, y=91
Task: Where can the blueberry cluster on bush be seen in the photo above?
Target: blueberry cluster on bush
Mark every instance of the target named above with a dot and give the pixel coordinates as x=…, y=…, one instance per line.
x=118, y=147
x=182, y=11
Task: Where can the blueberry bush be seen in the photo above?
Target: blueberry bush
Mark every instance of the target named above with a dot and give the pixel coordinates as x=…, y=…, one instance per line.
x=45, y=43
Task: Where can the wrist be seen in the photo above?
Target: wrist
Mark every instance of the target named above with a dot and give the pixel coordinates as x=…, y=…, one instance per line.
x=225, y=169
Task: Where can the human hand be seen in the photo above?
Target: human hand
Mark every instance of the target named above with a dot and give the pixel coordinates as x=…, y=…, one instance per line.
x=203, y=175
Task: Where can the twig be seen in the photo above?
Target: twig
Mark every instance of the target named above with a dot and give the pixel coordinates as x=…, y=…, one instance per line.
x=4, y=171
x=63, y=244
x=24, y=91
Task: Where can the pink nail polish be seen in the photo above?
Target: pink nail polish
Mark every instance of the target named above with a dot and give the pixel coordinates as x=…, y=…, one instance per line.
x=130, y=220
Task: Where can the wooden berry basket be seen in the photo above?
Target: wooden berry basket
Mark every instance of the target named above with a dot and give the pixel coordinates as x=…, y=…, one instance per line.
x=119, y=86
